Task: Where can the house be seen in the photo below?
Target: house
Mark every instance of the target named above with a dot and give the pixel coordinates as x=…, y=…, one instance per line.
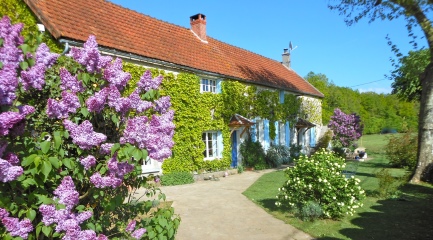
x=152, y=43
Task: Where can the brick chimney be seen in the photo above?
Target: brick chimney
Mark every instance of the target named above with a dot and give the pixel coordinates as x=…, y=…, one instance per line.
x=198, y=25
x=286, y=58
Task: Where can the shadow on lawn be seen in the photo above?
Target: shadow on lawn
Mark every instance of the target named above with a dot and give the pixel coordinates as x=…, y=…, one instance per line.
x=407, y=218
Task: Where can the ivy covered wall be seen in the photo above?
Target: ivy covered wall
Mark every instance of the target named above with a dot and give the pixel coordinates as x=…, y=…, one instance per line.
x=197, y=112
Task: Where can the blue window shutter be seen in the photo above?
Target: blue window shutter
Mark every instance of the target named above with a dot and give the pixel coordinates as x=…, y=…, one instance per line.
x=218, y=86
x=312, y=137
x=281, y=96
x=219, y=144
x=277, y=134
x=266, y=134
x=287, y=130
x=253, y=131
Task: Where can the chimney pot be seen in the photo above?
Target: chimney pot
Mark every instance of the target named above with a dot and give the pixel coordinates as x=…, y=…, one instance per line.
x=286, y=58
x=198, y=25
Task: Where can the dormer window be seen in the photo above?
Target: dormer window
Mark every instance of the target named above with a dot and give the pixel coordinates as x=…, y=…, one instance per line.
x=207, y=85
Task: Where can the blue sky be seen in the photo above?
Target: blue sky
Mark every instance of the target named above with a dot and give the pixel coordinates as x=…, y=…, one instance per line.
x=348, y=56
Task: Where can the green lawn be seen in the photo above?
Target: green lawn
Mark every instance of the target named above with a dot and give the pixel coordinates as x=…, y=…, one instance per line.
x=408, y=217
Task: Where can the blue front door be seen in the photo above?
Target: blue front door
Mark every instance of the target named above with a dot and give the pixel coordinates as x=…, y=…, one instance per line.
x=234, y=149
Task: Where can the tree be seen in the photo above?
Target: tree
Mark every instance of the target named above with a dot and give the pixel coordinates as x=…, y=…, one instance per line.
x=347, y=128
x=406, y=83
x=415, y=13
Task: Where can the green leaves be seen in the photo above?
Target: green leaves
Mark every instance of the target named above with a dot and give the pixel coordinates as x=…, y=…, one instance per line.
x=45, y=146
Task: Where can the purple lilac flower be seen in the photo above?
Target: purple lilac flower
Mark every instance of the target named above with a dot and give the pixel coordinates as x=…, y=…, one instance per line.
x=45, y=57
x=162, y=104
x=3, y=213
x=8, y=85
x=131, y=226
x=115, y=75
x=8, y=172
x=88, y=162
x=90, y=57
x=105, y=148
x=83, y=134
x=346, y=127
x=66, y=193
x=26, y=109
x=108, y=181
x=147, y=82
x=154, y=135
x=12, y=159
x=116, y=171
x=115, y=100
x=70, y=82
x=138, y=104
x=96, y=102
x=49, y=214
x=61, y=109
x=15, y=227
x=137, y=234
x=10, y=54
x=33, y=77
x=8, y=120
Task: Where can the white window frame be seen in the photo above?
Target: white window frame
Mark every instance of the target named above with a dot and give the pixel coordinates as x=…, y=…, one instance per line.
x=208, y=85
x=260, y=131
x=212, y=146
x=281, y=133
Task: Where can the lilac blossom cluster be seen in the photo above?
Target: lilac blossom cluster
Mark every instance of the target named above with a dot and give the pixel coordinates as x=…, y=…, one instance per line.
x=9, y=167
x=66, y=220
x=155, y=135
x=90, y=57
x=83, y=134
x=61, y=109
x=88, y=162
x=14, y=226
x=10, y=57
x=138, y=233
x=346, y=127
x=116, y=171
x=35, y=76
x=70, y=82
x=14, y=122
x=115, y=75
x=106, y=148
x=147, y=83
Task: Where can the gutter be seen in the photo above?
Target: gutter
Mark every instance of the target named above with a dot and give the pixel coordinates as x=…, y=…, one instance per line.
x=153, y=61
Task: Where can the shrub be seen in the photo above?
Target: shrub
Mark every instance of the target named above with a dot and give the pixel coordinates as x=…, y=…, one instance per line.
x=277, y=155
x=401, y=150
x=388, y=185
x=295, y=151
x=323, y=141
x=176, y=178
x=347, y=128
x=240, y=169
x=71, y=143
x=252, y=153
x=319, y=179
x=310, y=211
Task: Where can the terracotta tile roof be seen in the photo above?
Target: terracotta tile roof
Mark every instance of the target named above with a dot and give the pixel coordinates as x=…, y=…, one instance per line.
x=129, y=31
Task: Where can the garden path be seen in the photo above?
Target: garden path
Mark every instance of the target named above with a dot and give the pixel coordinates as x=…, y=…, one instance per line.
x=218, y=210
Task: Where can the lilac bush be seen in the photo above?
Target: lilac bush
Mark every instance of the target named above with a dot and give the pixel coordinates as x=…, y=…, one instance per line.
x=347, y=128
x=71, y=144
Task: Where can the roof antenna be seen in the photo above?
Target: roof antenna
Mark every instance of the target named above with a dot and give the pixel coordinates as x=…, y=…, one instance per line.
x=291, y=48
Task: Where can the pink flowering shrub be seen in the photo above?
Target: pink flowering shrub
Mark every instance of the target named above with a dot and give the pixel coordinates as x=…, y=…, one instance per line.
x=347, y=128
x=72, y=143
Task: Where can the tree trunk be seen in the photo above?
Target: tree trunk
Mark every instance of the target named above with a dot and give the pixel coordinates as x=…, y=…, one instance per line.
x=423, y=171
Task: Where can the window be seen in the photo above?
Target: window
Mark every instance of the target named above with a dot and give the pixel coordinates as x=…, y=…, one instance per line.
x=207, y=85
x=211, y=143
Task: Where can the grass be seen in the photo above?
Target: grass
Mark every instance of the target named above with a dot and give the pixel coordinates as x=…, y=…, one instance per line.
x=408, y=217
